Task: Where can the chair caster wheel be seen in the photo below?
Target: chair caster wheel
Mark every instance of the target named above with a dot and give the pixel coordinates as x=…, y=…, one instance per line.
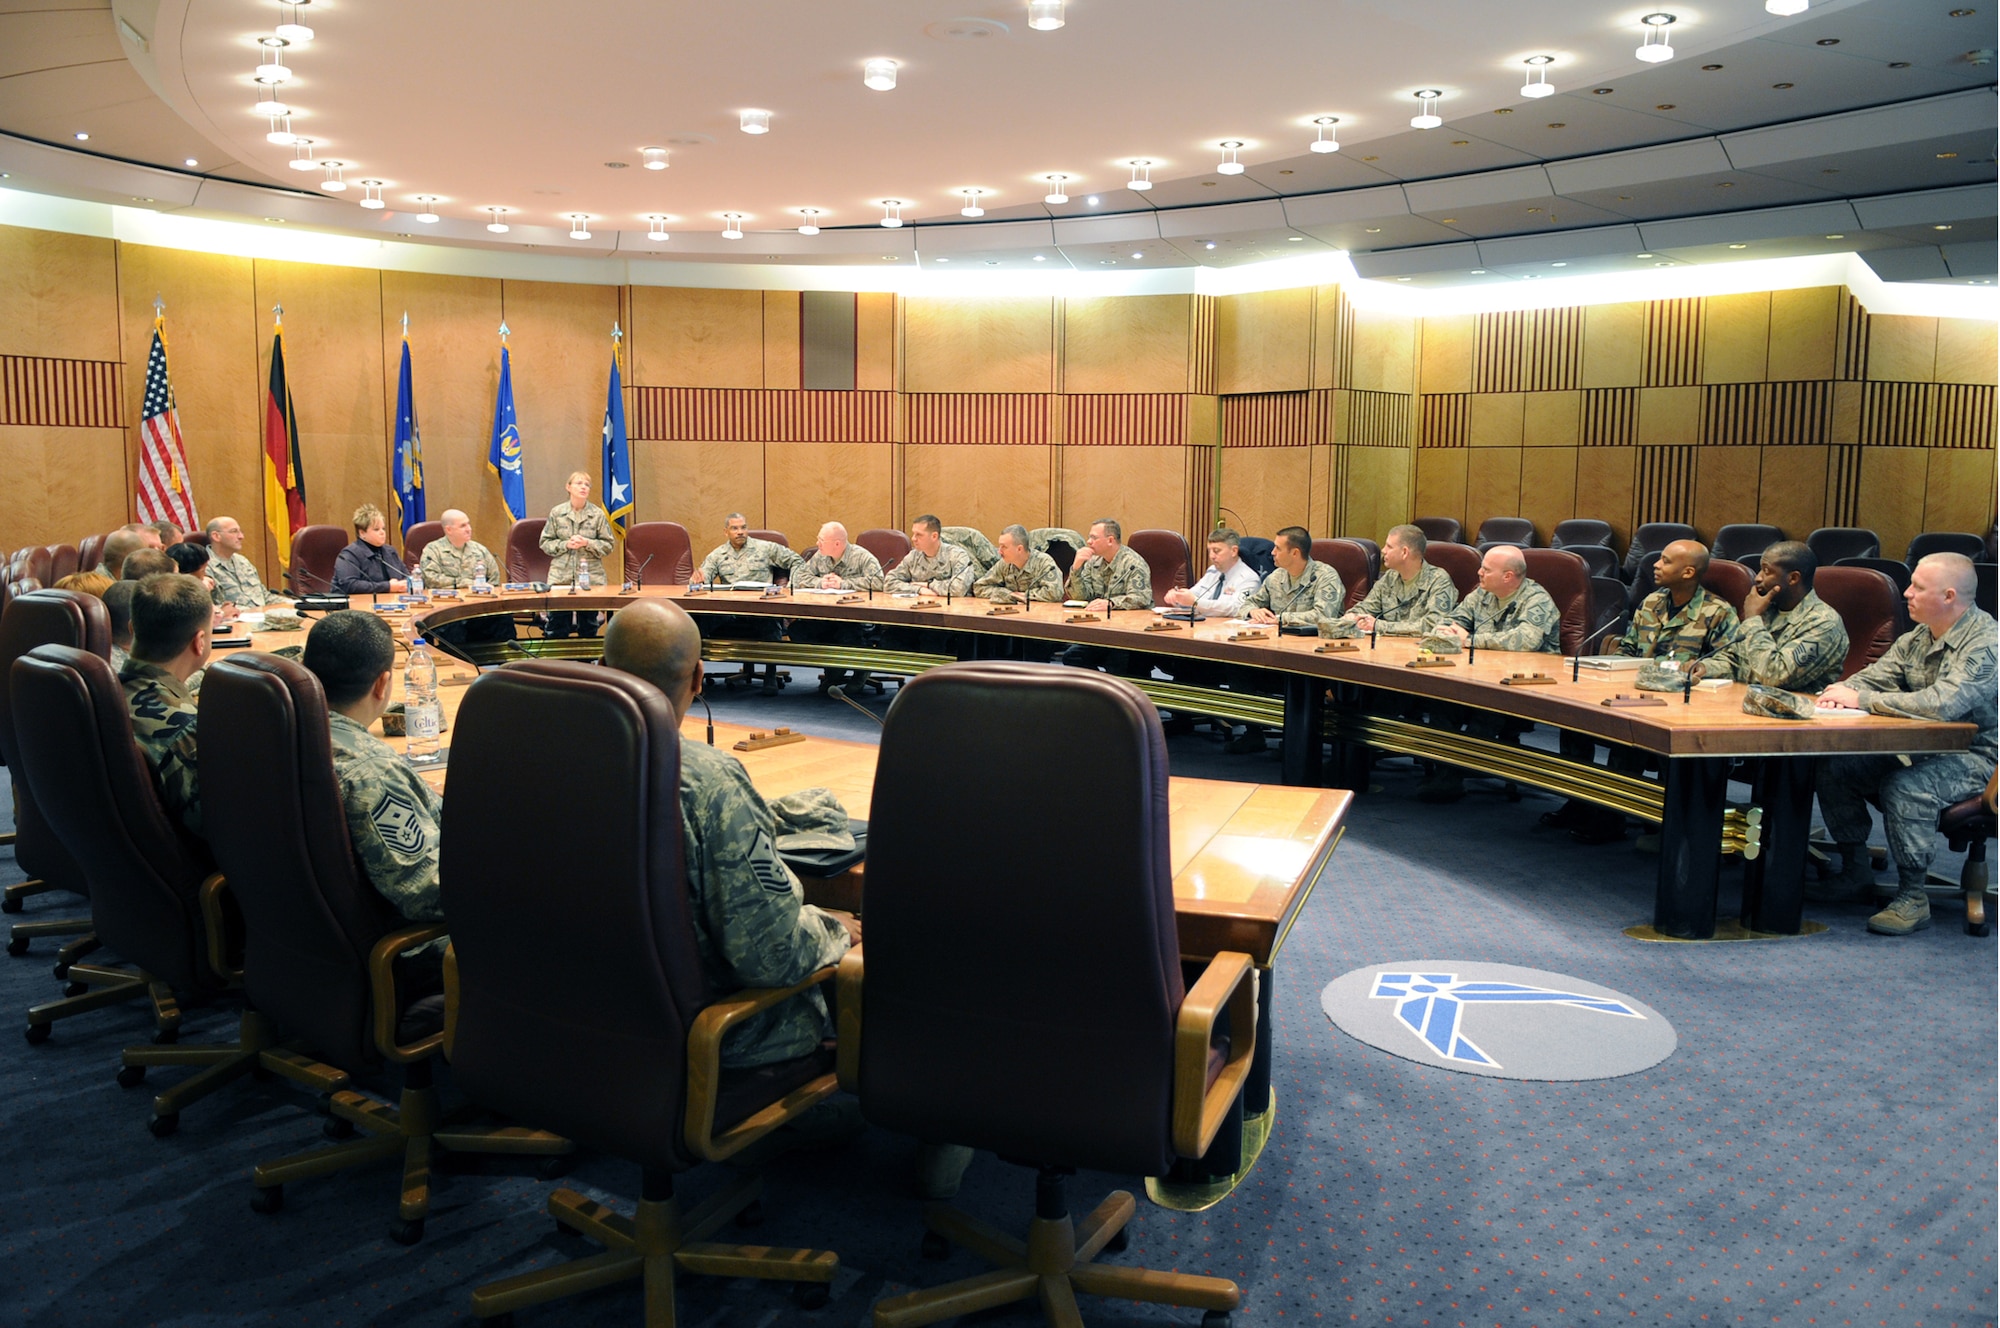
x=61, y=970
x=11, y=906
x=1121, y=1242
x=75, y=988
x=935, y=1246
x=809, y=1295
x=17, y=945
x=1215, y=1319
x=38, y=1034
x=554, y=1166
x=166, y=1037
x=1978, y=929
x=268, y=1199
x=162, y=1126
x=752, y=1215
x=131, y=1076
x=337, y=1128
x=407, y=1231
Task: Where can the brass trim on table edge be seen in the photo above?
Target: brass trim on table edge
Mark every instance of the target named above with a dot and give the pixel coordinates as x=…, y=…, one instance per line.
x=1194, y=1197
x=1305, y=895
x=1726, y=929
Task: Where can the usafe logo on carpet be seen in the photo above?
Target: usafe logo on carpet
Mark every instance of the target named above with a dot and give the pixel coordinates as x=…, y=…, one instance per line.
x=1498, y=1020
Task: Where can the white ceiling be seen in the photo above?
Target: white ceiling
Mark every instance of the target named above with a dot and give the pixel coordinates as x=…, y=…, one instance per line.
x=524, y=104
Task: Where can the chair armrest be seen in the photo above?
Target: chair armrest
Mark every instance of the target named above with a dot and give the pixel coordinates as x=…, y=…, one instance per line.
x=215, y=933
x=450, y=998
x=1228, y=982
x=382, y=989
x=704, y=1073
x=847, y=996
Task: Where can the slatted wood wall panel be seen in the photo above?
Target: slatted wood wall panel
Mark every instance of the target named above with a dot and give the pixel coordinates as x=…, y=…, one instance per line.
x=1734, y=413
x=86, y=394
x=1896, y=414
x=1201, y=364
x=1843, y=485
x=1379, y=419
x=1663, y=484
x=1268, y=419
x=1151, y=417
x=1610, y=417
x=1799, y=413
x=1202, y=496
x=1850, y=355
x=1741, y=414
x=1673, y=342
x=1496, y=352
x=976, y=417
x=1446, y=420
x=1529, y=350
x=1337, y=486
x=1341, y=353
x=756, y=415
x=1964, y=416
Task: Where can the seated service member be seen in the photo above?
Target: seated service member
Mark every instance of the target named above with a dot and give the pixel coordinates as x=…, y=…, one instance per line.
x=1299, y=592
x=1020, y=573
x=392, y=815
x=1789, y=637
x=1411, y=596
x=1943, y=669
x=118, y=607
x=171, y=615
x=122, y=543
x=452, y=563
x=578, y=532
x=236, y=579
x=1222, y=588
x=835, y=565
x=169, y=533
x=143, y=563
x=752, y=925
x=932, y=566
x=740, y=558
x=1107, y=575
x=369, y=566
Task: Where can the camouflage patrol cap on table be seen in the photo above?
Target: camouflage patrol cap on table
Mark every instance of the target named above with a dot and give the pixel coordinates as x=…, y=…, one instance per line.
x=1778, y=703
x=1439, y=645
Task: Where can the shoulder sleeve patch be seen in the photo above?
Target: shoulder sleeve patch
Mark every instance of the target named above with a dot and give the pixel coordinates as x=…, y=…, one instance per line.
x=396, y=819
x=764, y=865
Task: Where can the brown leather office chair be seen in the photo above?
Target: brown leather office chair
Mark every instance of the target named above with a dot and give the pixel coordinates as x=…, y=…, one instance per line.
x=523, y=554
x=1374, y=552
x=1832, y=543
x=37, y=617
x=581, y=1001
x=1440, y=529
x=421, y=536
x=1351, y=561
x=1066, y=1038
x=62, y=562
x=1868, y=604
x=90, y=551
x=1607, y=606
x=40, y=564
x=315, y=549
x=1567, y=580
x=1166, y=555
x=889, y=546
x=1601, y=559
x=1584, y=532
x=771, y=537
x=667, y=544
x=1731, y=580
x=320, y=944
x=1506, y=530
x=1931, y=541
x=1652, y=538
x=1460, y=562
x=1744, y=540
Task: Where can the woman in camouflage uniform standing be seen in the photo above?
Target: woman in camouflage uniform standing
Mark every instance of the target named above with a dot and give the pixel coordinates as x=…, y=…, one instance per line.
x=577, y=530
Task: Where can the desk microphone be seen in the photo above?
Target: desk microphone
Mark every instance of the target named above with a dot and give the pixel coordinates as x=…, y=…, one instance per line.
x=1576, y=664
x=1374, y=626
x=711, y=717
x=639, y=573
x=840, y=690
x=1469, y=648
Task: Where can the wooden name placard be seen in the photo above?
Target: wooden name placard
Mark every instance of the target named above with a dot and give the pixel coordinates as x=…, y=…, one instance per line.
x=757, y=742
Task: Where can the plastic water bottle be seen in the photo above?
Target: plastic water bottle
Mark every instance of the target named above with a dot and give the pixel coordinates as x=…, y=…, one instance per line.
x=421, y=718
x=480, y=585
x=416, y=581
x=582, y=574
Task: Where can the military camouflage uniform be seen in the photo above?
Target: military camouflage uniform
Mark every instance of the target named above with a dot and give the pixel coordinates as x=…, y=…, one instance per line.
x=1801, y=649
x=751, y=923
x=1038, y=579
x=1529, y=620
x=952, y=566
x=566, y=522
x=237, y=582
x=1922, y=677
x=1706, y=624
x=1126, y=581
x=392, y=822
x=163, y=715
x=1041, y=537
x=447, y=568
x=757, y=560
x=1409, y=608
x=1317, y=593
x=857, y=569
x=974, y=542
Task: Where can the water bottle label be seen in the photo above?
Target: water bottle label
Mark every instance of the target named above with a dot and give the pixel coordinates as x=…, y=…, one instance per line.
x=421, y=723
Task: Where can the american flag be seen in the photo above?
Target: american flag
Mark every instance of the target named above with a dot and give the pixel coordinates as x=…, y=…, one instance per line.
x=165, y=491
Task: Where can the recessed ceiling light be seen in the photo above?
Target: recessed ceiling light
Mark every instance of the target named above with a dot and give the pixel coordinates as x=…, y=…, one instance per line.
x=1665, y=106
x=1944, y=227
x=82, y=137
x=615, y=165
x=1601, y=92
x=1725, y=184
x=888, y=258
x=1781, y=87
x=1371, y=159
x=137, y=199
x=1447, y=221
x=1295, y=238
x=1642, y=255
x=879, y=75
x=1663, y=265
x=1654, y=45
x=1711, y=68
x=1479, y=272
x=1899, y=64
x=1041, y=258
x=1560, y=124
x=940, y=260
x=1963, y=13
x=1139, y=255
x=1092, y=200
x=1402, y=278
x=653, y=159
x=754, y=122
x=276, y=220
x=1559, y=265
x=1461, y=142
x=1784, y=8
x=1209, y=244
x=1942, y=156
x=1426, y=116
x=192, y=162
x=1836, y=237
x=1374, y=230
x=1739, y=246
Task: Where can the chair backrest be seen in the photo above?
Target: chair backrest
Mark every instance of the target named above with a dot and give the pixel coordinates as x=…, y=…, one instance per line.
x=1832, y=543
x=1607, y=604
x=90, y=552
x=1507, y=530
x=62, y=562
x=525, y=559
x=1440, y=529
x=315, y=549
x=1642, y=577
x=1567, y=580
x=1989, y=580
x=1257, y=551
x=669, y=546
x=1868, y=604
x=1731, y=580
x=1899, y=577
x=94, y=787
x=771, y=537
x=1653, y=537
x=1374, y=552
x=889, y=546
x=421, y=535
x=1601, y=559
x=196, y=537
x=40, y=564
x=1351, y=561
x=1460, y=562
x=1744, y=540
x=1941, y=541
x=1166, y=553
x=574, y=1018
x=272, y=812
x=36, y=617
x=1049, y=1039
x=1581, y=531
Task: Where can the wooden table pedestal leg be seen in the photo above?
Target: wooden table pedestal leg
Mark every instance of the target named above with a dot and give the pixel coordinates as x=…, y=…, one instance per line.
x=1690, y=847
x=1774, y=881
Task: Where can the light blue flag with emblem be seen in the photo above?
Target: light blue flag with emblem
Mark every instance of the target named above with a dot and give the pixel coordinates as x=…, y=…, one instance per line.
x=407, y=470
x=617, y=457
x=503, y=457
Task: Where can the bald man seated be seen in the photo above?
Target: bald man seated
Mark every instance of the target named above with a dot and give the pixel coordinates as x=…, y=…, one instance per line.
x=753, y=926
x=454, y=563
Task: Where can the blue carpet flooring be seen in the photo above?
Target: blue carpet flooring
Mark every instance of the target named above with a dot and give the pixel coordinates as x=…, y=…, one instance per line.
x=1819, y=1151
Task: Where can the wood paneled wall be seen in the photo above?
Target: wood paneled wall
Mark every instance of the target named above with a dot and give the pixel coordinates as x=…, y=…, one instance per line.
x=1790, y=407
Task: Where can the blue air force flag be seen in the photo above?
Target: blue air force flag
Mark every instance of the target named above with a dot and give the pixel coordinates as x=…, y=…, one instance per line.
x=617, y=457
x=503, y=457
x=407, y=468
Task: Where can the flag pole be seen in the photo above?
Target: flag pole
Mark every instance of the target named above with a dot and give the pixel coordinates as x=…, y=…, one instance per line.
x=617, y=344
